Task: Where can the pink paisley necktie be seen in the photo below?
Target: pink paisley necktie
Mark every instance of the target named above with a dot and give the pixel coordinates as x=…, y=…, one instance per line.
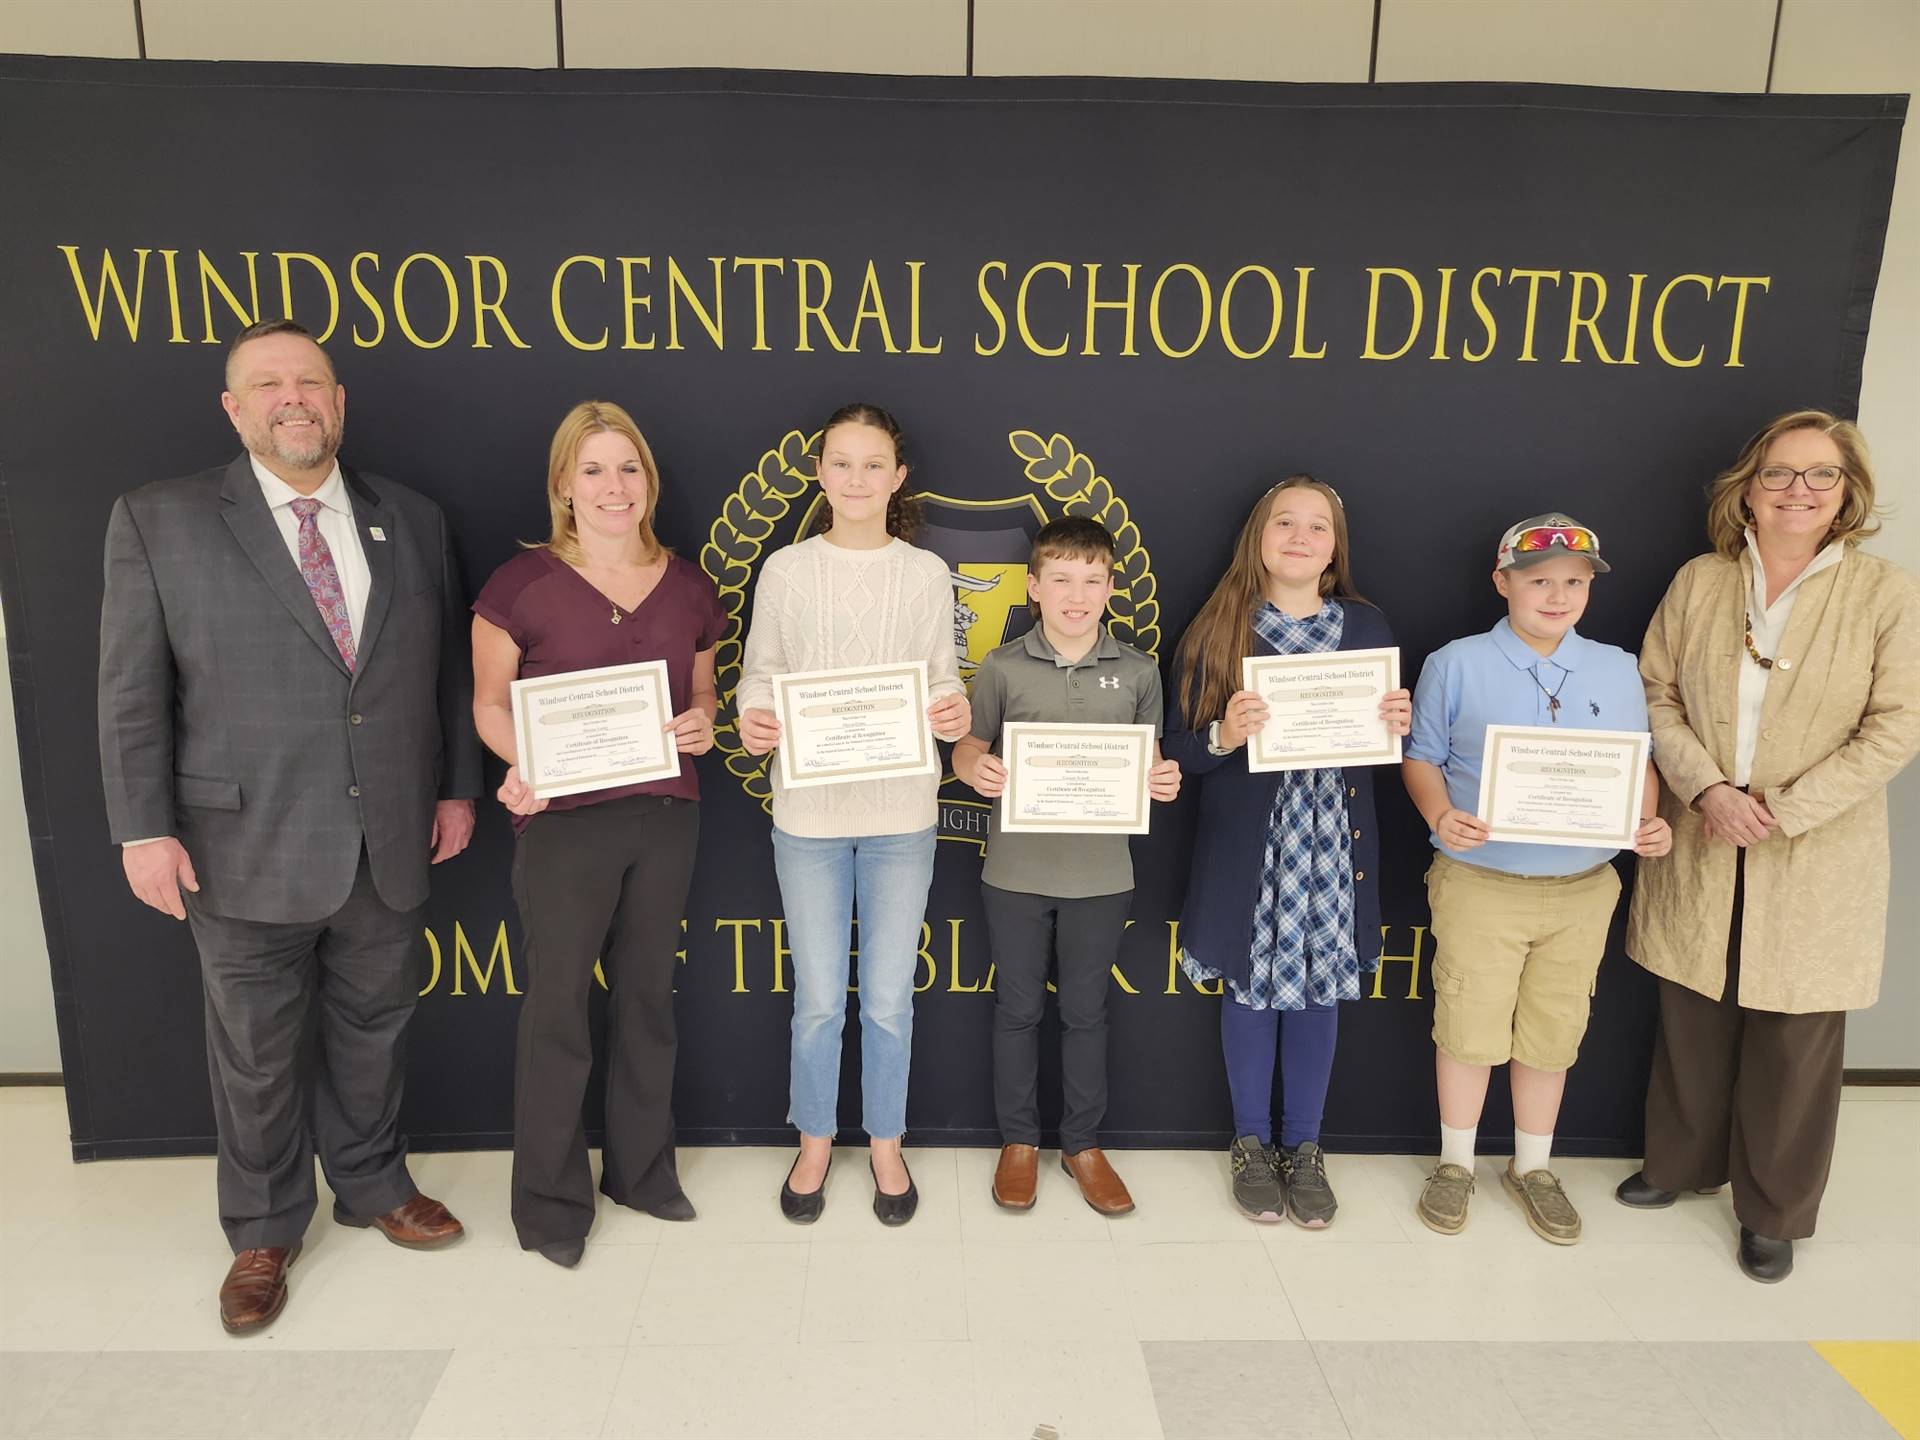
x=316, y=568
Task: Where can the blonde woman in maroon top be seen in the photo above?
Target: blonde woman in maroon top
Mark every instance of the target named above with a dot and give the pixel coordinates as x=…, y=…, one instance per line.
x=604, y=874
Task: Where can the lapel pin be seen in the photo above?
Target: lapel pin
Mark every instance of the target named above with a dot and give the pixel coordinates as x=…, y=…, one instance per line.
x=376, y=532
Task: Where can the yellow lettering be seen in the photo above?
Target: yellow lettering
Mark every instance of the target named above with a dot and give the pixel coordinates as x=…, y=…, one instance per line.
x=759, y=266
x=483, y=307
x=1300, y=351
x=1206, y=310
x=1633, y=319
x=367, y=296
x=1765, y=282
x=95, y=308
x=993, y=308
x=915, y=345
x=400, y=300
x=246, y=314
x=286, y=259
x=1414, y=294
x=739, y=949
x=1576, y=322
x=1412, y=962
x=811, y=310
x=1533, y=279
x=631, y=302
x=463, y=951
x=1485, y=314
x=679, y=288
x=872, y=307
x=780, y=953
x=1125, y=307
x=1020, y=306
x=179, y=336
x=1234, y=347
x=1660, y=321
x=1440, y=313
x=559, y=315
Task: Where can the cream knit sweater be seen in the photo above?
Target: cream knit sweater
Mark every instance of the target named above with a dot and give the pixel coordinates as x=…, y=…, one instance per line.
x=821, y=607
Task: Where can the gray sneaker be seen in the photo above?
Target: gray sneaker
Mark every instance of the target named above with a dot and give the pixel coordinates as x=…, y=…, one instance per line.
x=1309, y=1198
x=1443, y=1200
x=1549, y=1212
x=1257, y=1189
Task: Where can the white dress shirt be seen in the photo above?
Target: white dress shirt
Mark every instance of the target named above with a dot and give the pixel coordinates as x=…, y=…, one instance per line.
x=337, y=528
x=1769, y=624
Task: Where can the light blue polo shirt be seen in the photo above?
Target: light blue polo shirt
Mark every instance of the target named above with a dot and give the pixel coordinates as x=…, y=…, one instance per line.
x=1498, y=679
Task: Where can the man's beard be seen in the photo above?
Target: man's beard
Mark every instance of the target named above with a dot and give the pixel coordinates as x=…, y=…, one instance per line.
x=304, y=453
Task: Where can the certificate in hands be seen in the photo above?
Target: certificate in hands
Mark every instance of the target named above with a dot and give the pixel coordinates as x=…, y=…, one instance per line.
x=1324, y=709
x=1076, y=779
x=594, y=729
x=1545, y=785
x=867, y=723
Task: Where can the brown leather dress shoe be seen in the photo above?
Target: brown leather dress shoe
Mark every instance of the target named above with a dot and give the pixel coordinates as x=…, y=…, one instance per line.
x=255, y=1290
x=1099, y=1186
x=420, y=1224
x=1016, y=1177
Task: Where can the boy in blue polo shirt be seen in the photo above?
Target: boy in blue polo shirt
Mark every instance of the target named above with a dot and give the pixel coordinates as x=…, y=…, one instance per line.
x=1063, y=896
x=1520, y=928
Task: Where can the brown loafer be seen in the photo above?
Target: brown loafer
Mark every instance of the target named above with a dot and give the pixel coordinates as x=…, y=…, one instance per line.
x=255, y=1290
x=1016, y=1177
x=420, y=1224
x=1099, y=1186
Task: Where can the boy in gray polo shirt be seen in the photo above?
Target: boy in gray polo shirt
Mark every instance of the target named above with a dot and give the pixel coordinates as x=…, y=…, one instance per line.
x=1064, y=895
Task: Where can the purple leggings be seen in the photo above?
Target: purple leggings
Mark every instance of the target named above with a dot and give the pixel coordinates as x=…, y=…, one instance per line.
x=1249, y=1038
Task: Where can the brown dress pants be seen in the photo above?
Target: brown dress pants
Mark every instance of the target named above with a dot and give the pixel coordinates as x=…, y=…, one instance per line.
x=1751, y=1096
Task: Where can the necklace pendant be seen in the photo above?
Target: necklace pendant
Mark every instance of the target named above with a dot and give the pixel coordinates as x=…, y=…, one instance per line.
x=616, y=615
x=1553, y=708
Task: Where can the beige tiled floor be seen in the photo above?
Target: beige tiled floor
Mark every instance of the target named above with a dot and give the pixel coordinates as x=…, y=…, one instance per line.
x=1179, y=1320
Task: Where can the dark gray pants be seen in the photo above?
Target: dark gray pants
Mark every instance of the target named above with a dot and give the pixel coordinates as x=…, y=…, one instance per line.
x=306, y=1048
x=604, y=882
x=1026, y=933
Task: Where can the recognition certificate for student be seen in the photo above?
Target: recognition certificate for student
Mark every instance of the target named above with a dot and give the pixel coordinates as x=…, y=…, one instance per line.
x=1544, y=785
x=594, y=729
x=1075, y=779
x=866, y=723
x=1323, y=709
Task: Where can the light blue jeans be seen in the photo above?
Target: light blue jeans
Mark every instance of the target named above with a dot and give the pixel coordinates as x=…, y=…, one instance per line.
x=820, y=882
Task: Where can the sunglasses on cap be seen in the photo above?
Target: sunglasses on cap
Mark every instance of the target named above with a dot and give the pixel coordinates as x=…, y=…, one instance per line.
x=1577, y=538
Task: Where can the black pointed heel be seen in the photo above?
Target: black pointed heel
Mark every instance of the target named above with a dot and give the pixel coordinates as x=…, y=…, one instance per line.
x=894, y=1209
x=804, y=1209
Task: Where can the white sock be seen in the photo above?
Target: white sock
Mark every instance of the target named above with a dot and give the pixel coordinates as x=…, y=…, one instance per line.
x=1456, y=1146
x=1530, y=1152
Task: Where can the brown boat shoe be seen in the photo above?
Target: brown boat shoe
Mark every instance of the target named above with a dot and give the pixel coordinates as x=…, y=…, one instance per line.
x=420, y=1224
x=1016, y=1177
x=255, y=1290
x=1099, y=1186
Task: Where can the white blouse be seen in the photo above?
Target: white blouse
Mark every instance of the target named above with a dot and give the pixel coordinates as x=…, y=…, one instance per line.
x=1769, y=626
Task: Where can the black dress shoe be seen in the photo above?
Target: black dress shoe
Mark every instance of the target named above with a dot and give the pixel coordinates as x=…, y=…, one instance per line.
x=564, y=1253
x=1768, y=1261
x=675, y=1207
x=1635, y=1191
x=894, y=1209
x=804, y=1209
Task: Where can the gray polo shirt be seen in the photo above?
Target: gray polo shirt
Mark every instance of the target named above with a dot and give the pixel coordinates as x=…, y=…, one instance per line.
x=1112, y=684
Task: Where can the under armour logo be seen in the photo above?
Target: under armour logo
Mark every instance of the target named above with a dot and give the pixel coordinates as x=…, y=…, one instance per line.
x=1109, y=682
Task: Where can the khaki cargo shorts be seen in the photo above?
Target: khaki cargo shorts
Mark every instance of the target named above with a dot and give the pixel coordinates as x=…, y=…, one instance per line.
x=1517, y=960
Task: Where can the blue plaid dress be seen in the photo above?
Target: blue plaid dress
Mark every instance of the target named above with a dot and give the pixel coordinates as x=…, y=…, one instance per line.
x=1303, y=921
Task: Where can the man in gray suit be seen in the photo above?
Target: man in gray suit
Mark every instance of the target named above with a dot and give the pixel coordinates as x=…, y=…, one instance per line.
x=285, y=739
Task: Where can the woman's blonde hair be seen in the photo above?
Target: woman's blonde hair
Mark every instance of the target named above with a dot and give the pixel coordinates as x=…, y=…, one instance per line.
x=594, y=417
x=1727, y=512
x=1221, y=635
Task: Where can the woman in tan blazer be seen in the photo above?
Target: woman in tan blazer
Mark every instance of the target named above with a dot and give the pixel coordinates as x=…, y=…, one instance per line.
x=1783, y=691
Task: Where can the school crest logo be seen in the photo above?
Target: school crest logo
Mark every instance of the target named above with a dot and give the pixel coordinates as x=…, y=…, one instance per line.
x=983, y=539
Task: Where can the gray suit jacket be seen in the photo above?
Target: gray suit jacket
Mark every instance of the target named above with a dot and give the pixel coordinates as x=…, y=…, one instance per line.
x=228, y=719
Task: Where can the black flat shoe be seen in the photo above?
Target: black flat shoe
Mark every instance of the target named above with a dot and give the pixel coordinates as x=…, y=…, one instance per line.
x=564, y=1253
x=1768, y=1261
x=804, y=1209
x=675, y=1207
x=1635, y=1191
x=894, y=1209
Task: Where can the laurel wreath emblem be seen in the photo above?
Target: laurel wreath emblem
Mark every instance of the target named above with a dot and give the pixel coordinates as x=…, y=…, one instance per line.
x=767, y=494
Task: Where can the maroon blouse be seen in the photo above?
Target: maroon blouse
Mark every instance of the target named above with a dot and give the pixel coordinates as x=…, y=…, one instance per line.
x=561, y=623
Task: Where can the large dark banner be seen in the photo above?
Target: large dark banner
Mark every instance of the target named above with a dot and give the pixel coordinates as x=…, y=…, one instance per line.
x=1137, y=300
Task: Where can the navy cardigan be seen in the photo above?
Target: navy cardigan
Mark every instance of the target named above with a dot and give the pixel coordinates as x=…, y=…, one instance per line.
x=1223, y=886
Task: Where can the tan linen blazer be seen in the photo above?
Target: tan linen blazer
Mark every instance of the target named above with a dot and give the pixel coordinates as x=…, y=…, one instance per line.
x=1838, y=723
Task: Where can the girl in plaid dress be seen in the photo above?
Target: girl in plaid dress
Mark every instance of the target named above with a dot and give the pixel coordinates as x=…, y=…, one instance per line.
x=1283, y=902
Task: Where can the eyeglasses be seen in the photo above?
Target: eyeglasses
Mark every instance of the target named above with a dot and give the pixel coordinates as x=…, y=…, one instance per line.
x=1576, y=538
x=1818, y=477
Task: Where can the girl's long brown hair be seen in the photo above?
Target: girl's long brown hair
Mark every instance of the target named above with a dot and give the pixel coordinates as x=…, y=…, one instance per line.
x=1221, y=635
